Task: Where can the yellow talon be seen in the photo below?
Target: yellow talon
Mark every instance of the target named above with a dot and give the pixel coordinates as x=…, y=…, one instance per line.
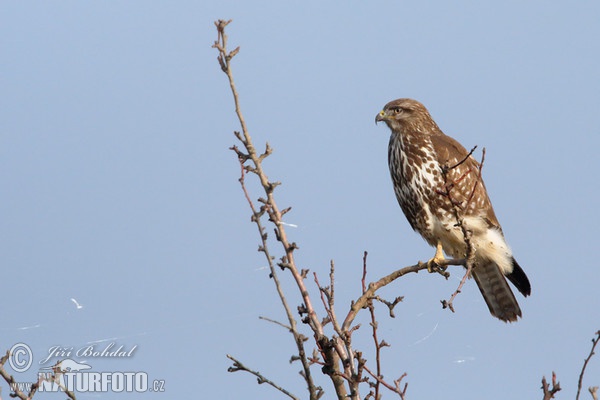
x=437, y=259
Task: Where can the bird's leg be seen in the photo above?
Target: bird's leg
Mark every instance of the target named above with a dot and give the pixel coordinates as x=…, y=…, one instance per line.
x=437, y=259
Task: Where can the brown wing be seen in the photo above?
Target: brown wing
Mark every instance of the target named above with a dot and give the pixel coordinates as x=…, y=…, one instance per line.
x=466, y=188
x=464, y=175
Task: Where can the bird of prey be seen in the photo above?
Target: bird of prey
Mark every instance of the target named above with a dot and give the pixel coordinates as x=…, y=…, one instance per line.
x=438, y=183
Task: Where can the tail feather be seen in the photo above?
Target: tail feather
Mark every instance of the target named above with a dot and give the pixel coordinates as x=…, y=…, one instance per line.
x=519, y=279
x=496, y=292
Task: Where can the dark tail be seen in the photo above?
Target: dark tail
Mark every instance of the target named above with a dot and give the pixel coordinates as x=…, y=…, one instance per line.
x=519, y=279
x=496, y=292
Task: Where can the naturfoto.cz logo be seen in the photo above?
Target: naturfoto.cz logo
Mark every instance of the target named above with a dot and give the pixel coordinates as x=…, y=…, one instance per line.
x=77, y=376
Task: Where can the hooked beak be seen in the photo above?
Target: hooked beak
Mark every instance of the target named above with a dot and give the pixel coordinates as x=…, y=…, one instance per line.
x=380, y=117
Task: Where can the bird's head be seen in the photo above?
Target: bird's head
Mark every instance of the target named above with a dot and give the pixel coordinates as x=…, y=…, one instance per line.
x=406, y=115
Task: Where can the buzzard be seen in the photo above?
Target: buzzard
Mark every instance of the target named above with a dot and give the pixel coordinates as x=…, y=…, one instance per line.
x=437, y=183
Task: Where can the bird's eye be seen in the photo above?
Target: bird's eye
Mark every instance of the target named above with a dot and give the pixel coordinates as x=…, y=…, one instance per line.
x=397, y=110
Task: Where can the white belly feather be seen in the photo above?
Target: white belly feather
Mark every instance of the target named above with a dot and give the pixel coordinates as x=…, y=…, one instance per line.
x=489, y=242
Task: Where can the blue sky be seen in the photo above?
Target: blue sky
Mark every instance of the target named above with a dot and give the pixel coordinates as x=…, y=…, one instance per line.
x=119, y=189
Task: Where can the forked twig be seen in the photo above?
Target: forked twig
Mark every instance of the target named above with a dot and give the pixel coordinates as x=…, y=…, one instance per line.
x=549, y=392
x=396, y=388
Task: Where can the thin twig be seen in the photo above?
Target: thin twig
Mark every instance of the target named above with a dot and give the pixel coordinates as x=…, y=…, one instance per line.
x=289, y=328
x=342, y=342
x=374, y=326
x=275, y=216
x=238, y=366
x=478, y=181
x=378, y=376
x=449, y=303
x=298, y=337
x=395, y=388
x=272, y=209
x=457, y=209
x=445, y=169
x=328, y=297
x=331, y=298
x=585, y=363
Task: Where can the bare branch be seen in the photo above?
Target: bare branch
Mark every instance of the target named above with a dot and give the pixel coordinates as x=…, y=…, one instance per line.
x=374, y=326
x=478, y=181
x=390, y=304
x=549, y=392
x=369, y=293
x=446, y=168
x=289, y=328
x=396, y=388
x=270, y=207
x=54, y=378
x=585, y=363
x=238, y=366
x=11, y=381
x=275, y=215
x=469, y=267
